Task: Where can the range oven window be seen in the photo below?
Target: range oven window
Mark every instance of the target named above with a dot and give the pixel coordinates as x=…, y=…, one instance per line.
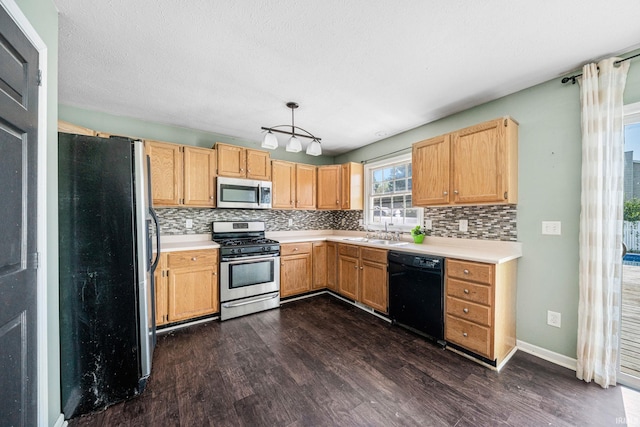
x=251, y=273
x=239, y=193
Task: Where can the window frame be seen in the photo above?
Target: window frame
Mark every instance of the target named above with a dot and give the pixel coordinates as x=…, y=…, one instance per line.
x=368, y=167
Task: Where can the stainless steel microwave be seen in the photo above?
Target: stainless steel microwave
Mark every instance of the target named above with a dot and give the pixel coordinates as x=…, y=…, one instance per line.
x=242, y=193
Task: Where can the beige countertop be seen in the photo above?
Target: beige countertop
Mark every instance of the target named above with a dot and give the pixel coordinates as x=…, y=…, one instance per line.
x=488, y=251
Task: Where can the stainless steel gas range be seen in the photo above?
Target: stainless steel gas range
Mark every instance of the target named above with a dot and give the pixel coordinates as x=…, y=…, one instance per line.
x=249, y=268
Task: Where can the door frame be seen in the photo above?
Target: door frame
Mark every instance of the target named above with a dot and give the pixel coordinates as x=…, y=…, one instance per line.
x=631, y=115
x=32, y=35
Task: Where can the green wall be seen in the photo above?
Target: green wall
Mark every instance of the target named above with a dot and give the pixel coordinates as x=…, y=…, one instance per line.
x=43, y=16
x=127, y=126
x=549, y=189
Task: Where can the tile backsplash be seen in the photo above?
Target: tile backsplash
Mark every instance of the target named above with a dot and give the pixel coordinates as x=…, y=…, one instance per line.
x=490, y=222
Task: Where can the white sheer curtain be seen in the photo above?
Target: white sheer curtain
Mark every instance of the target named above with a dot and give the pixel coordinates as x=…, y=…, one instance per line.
x=601, y=92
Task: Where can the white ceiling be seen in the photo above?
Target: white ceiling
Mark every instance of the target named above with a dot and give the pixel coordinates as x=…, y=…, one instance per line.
x=361, y=70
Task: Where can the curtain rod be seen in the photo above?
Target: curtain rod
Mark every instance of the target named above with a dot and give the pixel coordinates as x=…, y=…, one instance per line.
x=573, y=78
x=386, y=155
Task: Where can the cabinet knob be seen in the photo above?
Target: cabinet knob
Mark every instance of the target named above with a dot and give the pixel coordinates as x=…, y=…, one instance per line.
x=464, y=334
x=465, y=271
x=241, y=170
x=355, y=266
x=295, y=249
x=361, y=268
x=194, y=259
x=337, y=202
x=214, y=273
x=445, y=193
x=466, y=291
x=455, y=191
x=248, y=170
x=466, y=310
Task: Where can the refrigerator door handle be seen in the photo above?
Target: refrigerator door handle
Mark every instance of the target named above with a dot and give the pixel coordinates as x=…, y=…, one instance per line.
x=154, y=264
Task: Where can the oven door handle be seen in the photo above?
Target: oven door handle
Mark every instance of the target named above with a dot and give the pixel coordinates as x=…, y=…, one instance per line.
x=238, y=304
x=240, y=260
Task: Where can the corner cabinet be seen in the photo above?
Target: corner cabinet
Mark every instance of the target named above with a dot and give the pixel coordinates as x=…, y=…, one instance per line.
x=475, y=165
x=240, y=162
x=481, y=308
x=341, y=186
x=192, y=284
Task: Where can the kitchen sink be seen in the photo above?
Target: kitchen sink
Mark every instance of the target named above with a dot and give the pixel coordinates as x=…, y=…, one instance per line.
x=376, y=241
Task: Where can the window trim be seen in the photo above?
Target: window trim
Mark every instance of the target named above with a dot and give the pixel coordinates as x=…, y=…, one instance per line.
x=402, y=158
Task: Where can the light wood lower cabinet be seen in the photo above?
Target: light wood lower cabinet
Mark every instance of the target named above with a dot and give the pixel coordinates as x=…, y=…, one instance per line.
x=332, y=266
x=192, y=284
x=362, y=275
x=296, y=269
x=480, y=307
x=320, y=267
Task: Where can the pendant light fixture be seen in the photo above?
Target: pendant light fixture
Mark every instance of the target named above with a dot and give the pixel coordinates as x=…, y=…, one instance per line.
x=293, y=146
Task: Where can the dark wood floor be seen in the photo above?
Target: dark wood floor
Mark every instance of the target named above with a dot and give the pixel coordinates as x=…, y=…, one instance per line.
x=321, y=362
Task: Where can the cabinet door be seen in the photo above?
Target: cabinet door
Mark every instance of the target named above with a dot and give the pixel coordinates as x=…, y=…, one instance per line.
x=166, y=172
x=373, y=289
x=258, y=165
x=478, y=163
x=162, y=292
x=231, y=160
x=430, y=171
x=283, y=183
x=295, y=274
x=199, y=176
x=348, y=276
x=319, y=265
x=329, y=187
x=305, y=194
x=351, y=188
x=193, y=292
x=332, y=266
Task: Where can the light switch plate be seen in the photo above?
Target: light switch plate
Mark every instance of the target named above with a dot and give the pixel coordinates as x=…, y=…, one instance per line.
x=552, y=228
x=463, y=225
x=290, y=222
x=428, y=224
x=189, y=223
x=554, y=318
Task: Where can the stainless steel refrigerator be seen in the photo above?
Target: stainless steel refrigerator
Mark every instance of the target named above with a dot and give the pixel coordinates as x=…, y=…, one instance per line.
x=107, y=324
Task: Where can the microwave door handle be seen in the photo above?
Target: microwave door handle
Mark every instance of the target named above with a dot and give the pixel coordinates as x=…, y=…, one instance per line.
x=259, y=192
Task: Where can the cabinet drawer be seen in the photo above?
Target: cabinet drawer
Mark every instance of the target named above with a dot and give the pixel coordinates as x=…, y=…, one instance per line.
x=375, y=255
x=348, y=250
x=469, y=335
x=469, y=311
x=469, y=291
x=181, y=259
x=467, y=270
x=295, y=248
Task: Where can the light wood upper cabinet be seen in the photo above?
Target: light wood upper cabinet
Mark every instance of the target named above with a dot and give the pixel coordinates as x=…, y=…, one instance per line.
x=294, y=185
x=329, y=191
x=193, y=284
x=166, y=172
x=305, y=186
x=296, y=268
x=181, y=175
x=241, y=162
x=199, y=177
x=475, y=165
x=431, y=184
x=340, y=186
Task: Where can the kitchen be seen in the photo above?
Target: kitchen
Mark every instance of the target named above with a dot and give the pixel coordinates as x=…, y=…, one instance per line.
x=549, y=182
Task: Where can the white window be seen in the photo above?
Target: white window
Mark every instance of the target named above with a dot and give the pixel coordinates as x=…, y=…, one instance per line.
x=388, y=195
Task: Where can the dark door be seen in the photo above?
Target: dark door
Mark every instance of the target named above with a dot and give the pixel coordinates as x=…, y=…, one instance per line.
x=18, y=260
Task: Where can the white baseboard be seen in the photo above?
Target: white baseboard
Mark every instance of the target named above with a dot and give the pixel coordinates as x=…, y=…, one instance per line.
x=543, y=353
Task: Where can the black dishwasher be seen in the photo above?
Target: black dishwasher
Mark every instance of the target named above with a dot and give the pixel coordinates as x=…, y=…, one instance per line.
x=416, y=293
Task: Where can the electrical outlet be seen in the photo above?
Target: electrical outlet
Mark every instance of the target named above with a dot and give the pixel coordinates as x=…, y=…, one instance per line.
x=463, y=225
x=554, y=318
x=428, y=224
x=290, y=222
x=360, y=222
x=189, y=223
x=552, y=228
